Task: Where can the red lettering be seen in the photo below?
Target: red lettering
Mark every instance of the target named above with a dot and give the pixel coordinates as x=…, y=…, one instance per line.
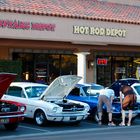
x=101, y=61
x=10, y=24
x=14, y=24
x=24, y=25
x=1, y=23
x=42, y=27
x=5, y=23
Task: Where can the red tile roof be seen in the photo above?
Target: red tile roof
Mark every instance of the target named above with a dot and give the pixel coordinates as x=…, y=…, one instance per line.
x=82, y=9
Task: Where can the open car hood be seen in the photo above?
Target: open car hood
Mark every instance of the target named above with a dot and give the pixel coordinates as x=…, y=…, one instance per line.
x=5, y=81
x=60, y=87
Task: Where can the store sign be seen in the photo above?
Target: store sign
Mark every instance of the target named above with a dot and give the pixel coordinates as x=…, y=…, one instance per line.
x=101, y=61
x=41, y=70
x=99, y=31
x=16, y=24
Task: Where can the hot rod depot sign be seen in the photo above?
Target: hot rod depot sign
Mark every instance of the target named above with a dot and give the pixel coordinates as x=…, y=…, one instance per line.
x=22, y=25
x=99, y=31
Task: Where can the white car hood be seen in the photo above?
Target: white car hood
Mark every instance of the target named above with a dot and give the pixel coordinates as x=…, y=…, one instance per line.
x=60, y=87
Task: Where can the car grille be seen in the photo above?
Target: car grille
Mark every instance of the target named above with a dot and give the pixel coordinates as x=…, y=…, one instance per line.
x=6, y=107
x=71, y=107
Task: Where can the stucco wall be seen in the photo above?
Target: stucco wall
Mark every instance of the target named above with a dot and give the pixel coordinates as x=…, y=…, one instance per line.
x=64, y=30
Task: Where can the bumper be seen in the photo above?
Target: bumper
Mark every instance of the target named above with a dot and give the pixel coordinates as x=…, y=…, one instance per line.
x=66, y=117
x=11, y=118
x=118, y=114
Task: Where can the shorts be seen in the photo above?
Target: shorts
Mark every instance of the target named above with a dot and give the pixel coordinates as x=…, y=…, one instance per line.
x=104, y=100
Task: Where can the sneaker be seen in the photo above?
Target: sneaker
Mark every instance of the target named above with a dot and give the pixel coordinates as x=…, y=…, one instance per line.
x=111, y=124
x=128, y=124
x=121, y=124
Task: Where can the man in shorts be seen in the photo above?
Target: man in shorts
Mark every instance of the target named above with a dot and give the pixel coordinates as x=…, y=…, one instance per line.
x=106, y=97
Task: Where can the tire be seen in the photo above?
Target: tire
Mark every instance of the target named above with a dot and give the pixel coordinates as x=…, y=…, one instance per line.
x=96, y=117
x=11, y=126
x=40, y=118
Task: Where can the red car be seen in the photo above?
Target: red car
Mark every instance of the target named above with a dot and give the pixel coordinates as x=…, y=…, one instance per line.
x=11, y=113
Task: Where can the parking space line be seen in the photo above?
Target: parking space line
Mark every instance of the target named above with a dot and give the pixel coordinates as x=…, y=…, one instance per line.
x=28, y=127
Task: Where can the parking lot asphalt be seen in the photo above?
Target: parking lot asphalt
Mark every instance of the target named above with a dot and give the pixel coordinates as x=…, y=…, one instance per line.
x=29, y=128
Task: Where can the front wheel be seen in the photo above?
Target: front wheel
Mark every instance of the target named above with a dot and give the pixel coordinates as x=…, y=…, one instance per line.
x=96, y=117
x=11, y=126
x=40, y=118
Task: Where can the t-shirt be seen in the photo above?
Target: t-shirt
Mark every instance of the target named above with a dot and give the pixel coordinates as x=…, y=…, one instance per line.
x=107, y=92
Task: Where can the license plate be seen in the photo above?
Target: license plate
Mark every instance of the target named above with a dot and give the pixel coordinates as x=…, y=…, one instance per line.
x=4, y=121
x=72, y=118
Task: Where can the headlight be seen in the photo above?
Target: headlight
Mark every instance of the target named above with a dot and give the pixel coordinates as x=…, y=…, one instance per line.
x=22, y=108
x=87, y=108
x=55, y=109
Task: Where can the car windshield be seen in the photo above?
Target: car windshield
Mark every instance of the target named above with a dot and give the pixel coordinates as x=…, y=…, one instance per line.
x=137, y=88
x=35, y=91
x=93, y=90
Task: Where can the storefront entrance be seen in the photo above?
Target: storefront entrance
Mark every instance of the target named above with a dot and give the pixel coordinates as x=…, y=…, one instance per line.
x=44, y=68
x=116, y=67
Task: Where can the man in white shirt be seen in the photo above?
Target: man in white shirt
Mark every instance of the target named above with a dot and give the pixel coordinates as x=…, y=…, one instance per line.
x=106, y=97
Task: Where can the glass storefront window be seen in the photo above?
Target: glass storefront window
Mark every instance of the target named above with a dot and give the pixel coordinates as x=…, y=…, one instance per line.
x=136, y=67
x=44, y=68
x=117, y=67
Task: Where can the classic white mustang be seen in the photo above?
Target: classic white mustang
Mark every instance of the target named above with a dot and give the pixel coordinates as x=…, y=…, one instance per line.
x=47, y=103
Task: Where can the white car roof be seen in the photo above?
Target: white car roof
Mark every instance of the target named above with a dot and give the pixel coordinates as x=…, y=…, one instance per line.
x=26, y=84
x=136, y=84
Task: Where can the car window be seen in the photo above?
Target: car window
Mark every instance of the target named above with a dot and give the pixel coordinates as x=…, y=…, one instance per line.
x=15, y=91
x=75, y=92
x=89, y=91
x=137, y=88
x=35, y=91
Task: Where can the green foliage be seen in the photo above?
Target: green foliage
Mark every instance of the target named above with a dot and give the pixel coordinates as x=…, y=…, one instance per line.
x=11, y=66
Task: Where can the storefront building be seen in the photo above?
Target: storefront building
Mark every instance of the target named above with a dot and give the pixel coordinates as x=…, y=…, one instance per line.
x=41, y=41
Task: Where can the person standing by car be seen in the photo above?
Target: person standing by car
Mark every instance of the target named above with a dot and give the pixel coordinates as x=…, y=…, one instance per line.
x=106, y=97
x=127, y=100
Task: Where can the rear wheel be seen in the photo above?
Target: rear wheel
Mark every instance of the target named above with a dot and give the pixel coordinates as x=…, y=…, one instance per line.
x=11, y=126
x=40, y=118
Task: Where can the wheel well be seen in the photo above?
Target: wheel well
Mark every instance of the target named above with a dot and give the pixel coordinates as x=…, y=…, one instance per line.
x=38, y=111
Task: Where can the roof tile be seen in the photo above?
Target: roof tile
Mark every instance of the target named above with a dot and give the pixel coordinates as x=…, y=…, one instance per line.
x=84, y=9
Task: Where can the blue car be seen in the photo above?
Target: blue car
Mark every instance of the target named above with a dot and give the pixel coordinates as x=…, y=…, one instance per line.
x=121, y=82
x=89, y=94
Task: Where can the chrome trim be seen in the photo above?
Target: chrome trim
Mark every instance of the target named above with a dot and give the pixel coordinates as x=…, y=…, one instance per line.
x=13, y=116
x=67, y=115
